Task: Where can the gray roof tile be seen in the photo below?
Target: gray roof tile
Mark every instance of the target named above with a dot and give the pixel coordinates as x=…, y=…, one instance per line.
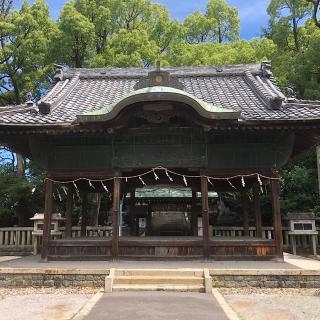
x=236, y=87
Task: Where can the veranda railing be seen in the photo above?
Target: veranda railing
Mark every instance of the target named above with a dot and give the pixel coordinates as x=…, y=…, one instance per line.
x=21, y=237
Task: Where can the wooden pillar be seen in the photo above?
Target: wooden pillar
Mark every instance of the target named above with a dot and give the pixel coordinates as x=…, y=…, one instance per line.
x=69, y=207
x=275, y=188
x=48, y=207
x=205, y=215
x=245, y=209
x=194, y=214
x=115, y=217
x=132, y=214
x=84, y=213
x=318, y=165
x=257, y=211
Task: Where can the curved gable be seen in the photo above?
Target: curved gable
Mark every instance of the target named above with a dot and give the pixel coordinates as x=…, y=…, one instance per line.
x=163, y=94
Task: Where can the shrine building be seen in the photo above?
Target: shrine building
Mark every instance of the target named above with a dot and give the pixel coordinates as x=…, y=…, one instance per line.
x=134, y=134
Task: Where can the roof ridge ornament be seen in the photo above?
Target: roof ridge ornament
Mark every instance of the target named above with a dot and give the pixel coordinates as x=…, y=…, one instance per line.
x=266, y=69
x=159, y=78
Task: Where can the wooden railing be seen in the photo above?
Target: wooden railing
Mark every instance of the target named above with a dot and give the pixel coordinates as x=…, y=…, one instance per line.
x=21, y=237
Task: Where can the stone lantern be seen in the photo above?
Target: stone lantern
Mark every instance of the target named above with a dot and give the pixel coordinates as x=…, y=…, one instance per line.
x=38, y=222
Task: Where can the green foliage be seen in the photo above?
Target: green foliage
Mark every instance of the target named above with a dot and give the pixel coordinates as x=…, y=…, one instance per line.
x=25, y=38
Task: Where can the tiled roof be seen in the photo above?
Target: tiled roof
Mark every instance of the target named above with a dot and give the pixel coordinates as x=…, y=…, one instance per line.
x=249, y=89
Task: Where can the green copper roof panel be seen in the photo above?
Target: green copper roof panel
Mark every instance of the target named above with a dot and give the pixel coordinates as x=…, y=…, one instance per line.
x=160, y=93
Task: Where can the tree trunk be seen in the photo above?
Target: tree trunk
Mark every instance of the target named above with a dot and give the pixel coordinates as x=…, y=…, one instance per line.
x=20, y=165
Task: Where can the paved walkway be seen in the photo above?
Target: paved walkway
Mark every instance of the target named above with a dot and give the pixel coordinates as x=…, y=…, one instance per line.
x=34, y=262
x=156, y=306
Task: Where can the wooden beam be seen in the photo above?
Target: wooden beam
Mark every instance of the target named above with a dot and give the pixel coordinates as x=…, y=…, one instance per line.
x=132, y=214
x=84, y=212
x=318, y=165
x=48, y=208
x=257, y=211
x=69, y=207
x=275, y=188
x=245, y=210
x=194, y=214
x=115, y=216
x=205, y=215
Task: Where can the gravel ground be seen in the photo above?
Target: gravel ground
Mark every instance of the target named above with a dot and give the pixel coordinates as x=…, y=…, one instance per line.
x=266, y=304
x=42, y=303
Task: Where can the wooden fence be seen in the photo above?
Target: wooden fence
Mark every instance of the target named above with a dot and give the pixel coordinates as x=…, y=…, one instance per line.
x=20, y=238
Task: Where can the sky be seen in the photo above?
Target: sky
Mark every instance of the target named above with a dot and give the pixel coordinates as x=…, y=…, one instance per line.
x=252, y=13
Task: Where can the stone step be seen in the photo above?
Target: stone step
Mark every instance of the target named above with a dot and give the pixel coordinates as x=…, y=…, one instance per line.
x=158, y=280
x=158, y=287
x=160, y=272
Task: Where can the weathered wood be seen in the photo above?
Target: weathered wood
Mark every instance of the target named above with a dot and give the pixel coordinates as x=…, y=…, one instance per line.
x=245, y=209
x=48, y=208
x=132, y=214
x=205, y=215
x=84, y=212
x=275, y=188
x=318, y=165
x=257, y=211
x=194, y=215
x=69, y=207
x=115, y=216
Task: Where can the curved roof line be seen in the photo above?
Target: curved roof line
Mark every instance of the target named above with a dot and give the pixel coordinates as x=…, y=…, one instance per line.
x=160, y=93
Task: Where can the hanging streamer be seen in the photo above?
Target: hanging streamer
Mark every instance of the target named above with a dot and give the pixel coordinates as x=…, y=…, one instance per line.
x=33, y=190
x=126, y=179
x=142, y=181
x=231, y=184
x=104, y=187
x=59, y=195
x=209, y=180
x=75, y=185
x=64, y=190
x=91, y=185
x=170, y=178
x=185, y=181
x=155, y=175
x=259, y=180
x=243, y=182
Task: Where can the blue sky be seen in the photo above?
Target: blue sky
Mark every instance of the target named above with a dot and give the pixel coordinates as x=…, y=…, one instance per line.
x=252, y=12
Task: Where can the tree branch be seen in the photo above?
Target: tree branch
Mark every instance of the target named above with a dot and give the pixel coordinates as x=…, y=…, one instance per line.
x=316, y=8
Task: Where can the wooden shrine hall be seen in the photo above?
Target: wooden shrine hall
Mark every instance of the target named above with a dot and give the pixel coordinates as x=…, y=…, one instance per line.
x=205, y=129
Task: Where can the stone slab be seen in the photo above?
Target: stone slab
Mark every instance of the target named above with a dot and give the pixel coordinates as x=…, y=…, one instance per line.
x=156, y=306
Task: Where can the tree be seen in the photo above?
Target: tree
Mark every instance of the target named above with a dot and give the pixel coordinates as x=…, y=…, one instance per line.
x=199, y=28
x=225, y=19
x=287, y=16
x=315, y=11
x=24, y=42
x=128, y=49
x=75, y=38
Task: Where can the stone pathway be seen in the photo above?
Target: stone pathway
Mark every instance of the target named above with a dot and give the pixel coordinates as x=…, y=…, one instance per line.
x=34, y=262
x=157, y=305
x=266, y=307
x=41, y=306
x=302, y=262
